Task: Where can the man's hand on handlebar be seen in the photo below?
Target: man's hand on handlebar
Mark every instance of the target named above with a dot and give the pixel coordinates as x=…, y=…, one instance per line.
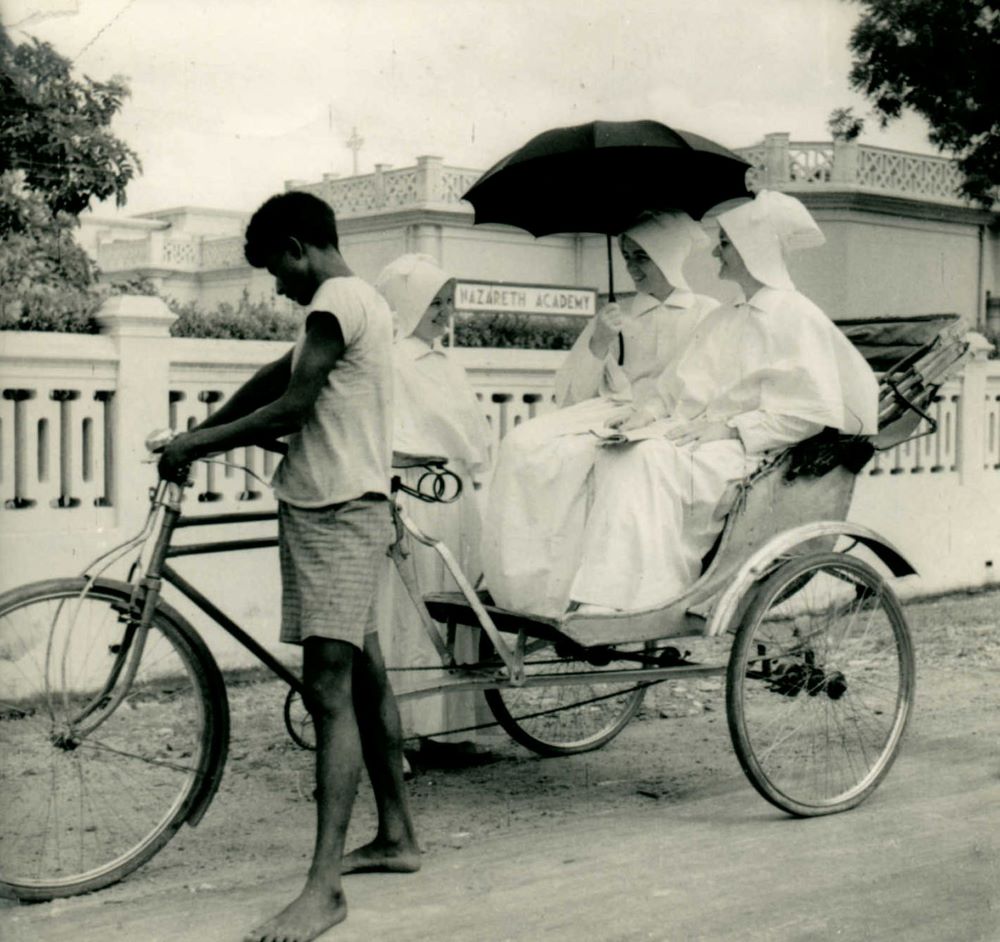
x=175, y=459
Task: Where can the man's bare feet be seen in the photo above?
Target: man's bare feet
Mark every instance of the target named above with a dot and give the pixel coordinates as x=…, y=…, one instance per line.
x=378, y=857
x=305, y=918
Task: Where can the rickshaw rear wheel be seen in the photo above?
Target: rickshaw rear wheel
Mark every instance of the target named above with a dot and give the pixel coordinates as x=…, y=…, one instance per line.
x=820, y=684
x=564, y=719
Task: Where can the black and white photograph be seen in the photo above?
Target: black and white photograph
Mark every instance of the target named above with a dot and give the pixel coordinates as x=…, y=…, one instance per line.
x=499, y=471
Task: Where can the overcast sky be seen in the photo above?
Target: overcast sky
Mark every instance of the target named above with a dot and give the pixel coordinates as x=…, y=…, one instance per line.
x=232, y=97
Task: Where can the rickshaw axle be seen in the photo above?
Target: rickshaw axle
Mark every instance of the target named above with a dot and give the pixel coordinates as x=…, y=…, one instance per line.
x=790, y=680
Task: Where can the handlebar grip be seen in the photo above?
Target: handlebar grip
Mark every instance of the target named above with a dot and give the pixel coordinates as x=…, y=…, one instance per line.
x=157, y=440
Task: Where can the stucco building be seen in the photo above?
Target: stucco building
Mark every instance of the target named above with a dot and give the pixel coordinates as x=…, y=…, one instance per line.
x=899, y=241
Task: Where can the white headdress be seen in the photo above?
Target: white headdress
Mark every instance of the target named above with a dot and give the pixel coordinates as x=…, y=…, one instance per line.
x=409, y=284
x=765, y=229
x=668, y=239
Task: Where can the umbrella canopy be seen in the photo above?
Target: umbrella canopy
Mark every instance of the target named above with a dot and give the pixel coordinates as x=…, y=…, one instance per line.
x=599, y=177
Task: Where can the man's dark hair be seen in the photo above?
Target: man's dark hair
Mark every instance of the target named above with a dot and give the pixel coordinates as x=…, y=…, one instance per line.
x=292, y=215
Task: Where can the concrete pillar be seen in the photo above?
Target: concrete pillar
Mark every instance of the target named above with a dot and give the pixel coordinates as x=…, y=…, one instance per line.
x=430, y=180
x=156, y=242
x=845, y=162
x=972, y=422
x=426, y=239
x=138, y=326
x=380, y=170
x=776, y=159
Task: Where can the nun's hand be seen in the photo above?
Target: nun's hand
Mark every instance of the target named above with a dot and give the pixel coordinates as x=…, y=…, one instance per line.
x=607, y=325
x=637, y=418
x=700, y=431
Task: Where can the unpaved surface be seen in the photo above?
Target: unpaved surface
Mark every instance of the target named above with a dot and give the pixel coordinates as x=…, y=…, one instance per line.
x=656, y=836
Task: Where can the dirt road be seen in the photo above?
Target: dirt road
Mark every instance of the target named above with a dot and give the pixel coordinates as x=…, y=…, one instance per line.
x=657, y=836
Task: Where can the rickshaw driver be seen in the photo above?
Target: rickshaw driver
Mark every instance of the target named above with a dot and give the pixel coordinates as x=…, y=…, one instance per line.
x=331, y=395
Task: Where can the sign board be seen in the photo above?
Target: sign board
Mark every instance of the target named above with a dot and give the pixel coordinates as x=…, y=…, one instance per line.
x=524, y=299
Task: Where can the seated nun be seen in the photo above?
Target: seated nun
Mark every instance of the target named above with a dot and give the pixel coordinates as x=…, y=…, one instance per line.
x=541, y=486
x=756, y=376
x=435, y=413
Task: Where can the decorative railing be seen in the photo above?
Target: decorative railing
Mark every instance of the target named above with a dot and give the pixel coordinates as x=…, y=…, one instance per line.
x=780, y=163
x=401, y=188
x=455, y=182
x=810, y=163
x=992, y=423
x=428, y=184
x=124, y=256
x=897, y=171
x=74, y=411
x=936, y=453
x=223, y=253
x=182, y=253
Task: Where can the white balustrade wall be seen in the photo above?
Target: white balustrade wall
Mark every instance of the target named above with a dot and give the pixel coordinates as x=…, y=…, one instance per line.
x=75, y=410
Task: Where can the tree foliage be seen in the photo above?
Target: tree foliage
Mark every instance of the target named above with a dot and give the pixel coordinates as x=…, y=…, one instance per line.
x=940, y=58
x=46, y=278
x=56, y=154
x=844, y=124
x=56, y=129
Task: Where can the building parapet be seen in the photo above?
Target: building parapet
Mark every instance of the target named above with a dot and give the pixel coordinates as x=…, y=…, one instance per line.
x=778, y=163
x=428, y=185
x=782, y=164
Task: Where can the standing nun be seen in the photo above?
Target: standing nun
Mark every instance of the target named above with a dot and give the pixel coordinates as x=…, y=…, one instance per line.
x=755, y=377
x=435, y=413
x=541, y=486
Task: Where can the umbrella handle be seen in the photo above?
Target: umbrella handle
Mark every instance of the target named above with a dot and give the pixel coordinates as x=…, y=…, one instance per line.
x=611, y=297
x=611, y=271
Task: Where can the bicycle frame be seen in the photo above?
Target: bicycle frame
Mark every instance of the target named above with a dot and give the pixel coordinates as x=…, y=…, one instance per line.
x=166, y=501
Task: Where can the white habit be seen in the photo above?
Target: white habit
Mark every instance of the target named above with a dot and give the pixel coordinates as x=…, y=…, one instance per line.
x=776, y=369
x=435, y=413
x=540, y=489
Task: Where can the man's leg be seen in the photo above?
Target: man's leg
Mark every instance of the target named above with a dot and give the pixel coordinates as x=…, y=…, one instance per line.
x=327, y=668
x=394, y=848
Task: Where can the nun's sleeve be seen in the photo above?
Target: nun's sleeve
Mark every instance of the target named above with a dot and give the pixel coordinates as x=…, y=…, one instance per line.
x=762, y=431
x=581, y=374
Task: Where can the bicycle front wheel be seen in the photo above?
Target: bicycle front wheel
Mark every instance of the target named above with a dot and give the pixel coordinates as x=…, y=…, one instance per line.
x=820, y=684
x=81, y=810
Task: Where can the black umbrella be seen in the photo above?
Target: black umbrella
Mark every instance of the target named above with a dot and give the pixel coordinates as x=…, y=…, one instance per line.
x=600, y=177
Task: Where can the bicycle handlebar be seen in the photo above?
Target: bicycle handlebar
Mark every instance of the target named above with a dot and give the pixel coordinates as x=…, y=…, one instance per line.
x=438, y=485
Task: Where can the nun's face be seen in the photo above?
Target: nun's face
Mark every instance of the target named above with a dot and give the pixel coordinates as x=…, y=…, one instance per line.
x=733, y=267
x=435, y=320
x=643, y=270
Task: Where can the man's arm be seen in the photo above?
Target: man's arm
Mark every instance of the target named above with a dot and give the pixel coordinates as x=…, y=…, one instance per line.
x=323, y=346
x=266, y=385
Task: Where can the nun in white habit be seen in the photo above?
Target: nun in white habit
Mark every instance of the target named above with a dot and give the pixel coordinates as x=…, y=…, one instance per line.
x=541, y=485
x=754, y=377
x=435, y=413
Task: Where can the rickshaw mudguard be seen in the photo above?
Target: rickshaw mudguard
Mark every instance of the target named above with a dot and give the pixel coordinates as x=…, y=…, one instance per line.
x=761, y=563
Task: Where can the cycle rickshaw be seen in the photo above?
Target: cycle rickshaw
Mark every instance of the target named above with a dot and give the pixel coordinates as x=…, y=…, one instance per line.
x=114, y=718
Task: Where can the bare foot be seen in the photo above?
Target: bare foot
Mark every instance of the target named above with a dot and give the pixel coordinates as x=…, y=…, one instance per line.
x=306, y=917
x=378, y=857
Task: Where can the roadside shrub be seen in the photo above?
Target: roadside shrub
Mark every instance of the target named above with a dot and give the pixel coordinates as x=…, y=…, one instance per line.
x=521, y=331
x=42, y=307
x=245, y=320
x=72, y=310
